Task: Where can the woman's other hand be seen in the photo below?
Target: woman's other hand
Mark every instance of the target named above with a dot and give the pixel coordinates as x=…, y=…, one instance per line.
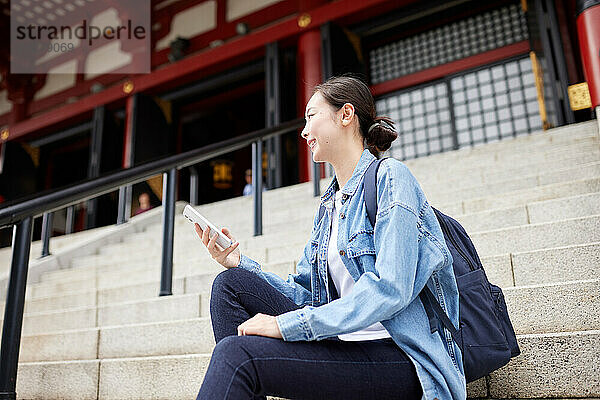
x=260, y=325
x=230, y=257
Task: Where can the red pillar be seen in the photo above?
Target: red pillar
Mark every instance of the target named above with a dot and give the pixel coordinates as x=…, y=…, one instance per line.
x=309, y=75
x=128, y=138
x=588, y=29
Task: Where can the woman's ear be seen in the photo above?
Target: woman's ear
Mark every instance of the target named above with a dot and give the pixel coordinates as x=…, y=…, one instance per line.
x=347, y=114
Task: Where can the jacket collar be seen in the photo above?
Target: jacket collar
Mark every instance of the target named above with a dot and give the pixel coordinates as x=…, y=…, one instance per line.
x=350, y=187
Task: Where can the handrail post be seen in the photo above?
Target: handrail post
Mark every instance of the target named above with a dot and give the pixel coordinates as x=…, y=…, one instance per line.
x=13, y=314
x=169, y=194
x=257, y=185
x=47, y=220
x=70, y=222
x=273, y=115
x=193, y=186
x=124, y=204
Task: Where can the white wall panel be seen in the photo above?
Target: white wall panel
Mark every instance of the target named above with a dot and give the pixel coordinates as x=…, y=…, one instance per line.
x=239, y=8
x=106, y=59
x=59, y=78
x=191, y=22
x=5, y=105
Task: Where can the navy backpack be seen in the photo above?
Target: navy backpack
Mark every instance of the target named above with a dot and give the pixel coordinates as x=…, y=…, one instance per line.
x=485, y=336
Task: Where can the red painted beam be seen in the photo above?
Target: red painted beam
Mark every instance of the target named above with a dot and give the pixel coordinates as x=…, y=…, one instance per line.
x=81, y=88
x=450, y=68
x=251, y=42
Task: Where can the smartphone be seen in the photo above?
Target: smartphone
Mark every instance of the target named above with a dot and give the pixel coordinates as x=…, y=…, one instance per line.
x=196, y=218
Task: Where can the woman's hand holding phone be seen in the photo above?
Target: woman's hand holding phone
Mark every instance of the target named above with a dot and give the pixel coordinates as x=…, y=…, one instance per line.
x=230, y=257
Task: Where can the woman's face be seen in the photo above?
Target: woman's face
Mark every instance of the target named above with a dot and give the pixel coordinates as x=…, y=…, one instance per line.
x=321, y=131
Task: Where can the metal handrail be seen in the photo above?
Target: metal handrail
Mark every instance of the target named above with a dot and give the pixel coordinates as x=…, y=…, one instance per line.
x=14, y=212
x=21, y=215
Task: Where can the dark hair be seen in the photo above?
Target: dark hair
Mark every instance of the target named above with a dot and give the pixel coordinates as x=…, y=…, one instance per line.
x=377, y=132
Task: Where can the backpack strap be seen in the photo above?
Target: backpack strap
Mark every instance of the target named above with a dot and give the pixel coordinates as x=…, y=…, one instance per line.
x=370, y=189
x=430, y=303
x=429, y=299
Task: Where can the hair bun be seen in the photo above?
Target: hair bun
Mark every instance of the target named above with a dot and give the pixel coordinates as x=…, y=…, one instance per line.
x=381, y=134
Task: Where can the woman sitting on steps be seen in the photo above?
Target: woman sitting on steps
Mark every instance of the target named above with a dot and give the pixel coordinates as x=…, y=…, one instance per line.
x=349, y=324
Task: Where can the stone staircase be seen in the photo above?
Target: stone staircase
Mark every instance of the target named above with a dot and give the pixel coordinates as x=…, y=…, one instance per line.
x=94, y=327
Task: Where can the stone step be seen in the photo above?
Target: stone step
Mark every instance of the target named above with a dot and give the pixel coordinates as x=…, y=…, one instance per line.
x=470, y=178
x=521, y=269
x=524, y=196
x=138, y=291
x=557, y=160
x=564, y=208
x=59, y=320
x=538, y=236
x=562, y=365
x=510, y=240
x=58, y=380
x=462, y=189
x=575, y=206
x=581, y=298
x=559, y=365
x=60, y=301
x=304, y=215
x=56, y=243
x=79, y=344
x=443, y=196
x=449, y=205
x=574, y=138
x=490, y=162
x=154, y=339
x=166, y=308
x=532, y=213
x=501, y=241
x=522, y=143
x=544, y=266
x=135, y=340
x=110, y=284
x=497, y=237
x=559, y=307
x=480, y=177
x=536, y=187
x=507, y=270
x=557, y=265
x=567, y=134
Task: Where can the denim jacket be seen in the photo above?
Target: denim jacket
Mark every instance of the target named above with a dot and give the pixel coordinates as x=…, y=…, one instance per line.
x=390, y=264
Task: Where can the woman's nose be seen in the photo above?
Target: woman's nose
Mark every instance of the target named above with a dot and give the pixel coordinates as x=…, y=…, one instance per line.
x=304, y=133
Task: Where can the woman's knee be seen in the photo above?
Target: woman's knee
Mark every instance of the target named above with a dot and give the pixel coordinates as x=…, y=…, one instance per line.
x=228, y=279
x=233, y=351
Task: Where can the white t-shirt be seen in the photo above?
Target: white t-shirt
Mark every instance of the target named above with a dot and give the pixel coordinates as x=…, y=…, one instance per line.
x=343, y=280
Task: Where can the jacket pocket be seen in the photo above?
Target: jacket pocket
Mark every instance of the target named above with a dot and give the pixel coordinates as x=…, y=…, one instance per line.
x=361, y=243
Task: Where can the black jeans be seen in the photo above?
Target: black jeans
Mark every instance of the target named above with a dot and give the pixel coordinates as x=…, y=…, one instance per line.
x=251, y=367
